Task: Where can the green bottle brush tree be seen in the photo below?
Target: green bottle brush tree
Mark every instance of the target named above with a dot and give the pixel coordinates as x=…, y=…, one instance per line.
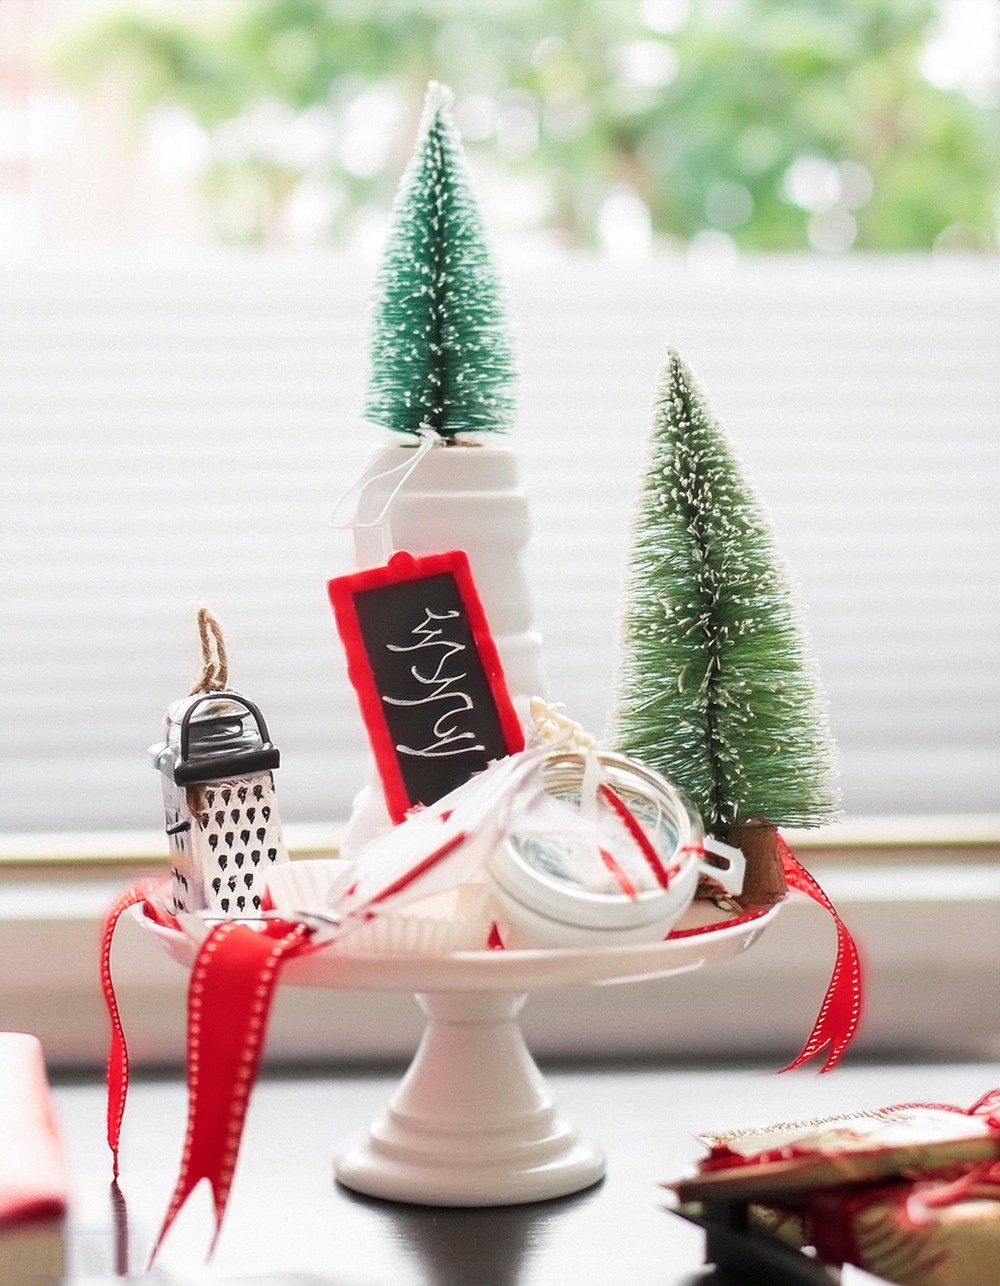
x=441, y=352
x=717, y=687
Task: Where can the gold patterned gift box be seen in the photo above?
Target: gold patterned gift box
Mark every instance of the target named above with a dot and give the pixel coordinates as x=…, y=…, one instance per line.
x=910, y=1192
x=894, y=1231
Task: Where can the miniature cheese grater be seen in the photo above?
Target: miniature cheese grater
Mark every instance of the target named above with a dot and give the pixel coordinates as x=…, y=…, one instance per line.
x=219, y=805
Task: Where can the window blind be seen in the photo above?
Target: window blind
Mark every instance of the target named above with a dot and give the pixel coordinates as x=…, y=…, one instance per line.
x=177, y=433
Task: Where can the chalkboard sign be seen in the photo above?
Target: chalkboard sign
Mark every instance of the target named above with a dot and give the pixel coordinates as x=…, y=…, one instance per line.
x=428, y=677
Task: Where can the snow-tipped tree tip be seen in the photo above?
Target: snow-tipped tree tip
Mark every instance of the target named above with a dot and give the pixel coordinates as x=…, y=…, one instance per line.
x=437, y=100
x=674, y=362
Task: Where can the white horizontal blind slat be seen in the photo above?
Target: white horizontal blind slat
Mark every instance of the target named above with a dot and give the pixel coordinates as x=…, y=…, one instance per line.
x=177, y=434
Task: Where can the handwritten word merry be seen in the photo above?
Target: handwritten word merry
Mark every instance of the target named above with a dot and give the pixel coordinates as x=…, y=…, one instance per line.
x=448, y=737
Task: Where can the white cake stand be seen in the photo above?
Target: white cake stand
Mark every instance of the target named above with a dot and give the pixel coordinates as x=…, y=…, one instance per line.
x=472, y=1122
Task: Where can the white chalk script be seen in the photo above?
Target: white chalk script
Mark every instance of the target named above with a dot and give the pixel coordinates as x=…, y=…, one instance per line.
x=442, y=688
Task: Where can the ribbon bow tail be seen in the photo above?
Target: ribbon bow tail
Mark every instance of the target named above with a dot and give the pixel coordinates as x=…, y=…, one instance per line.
x=232, y=985
x=840, y=1010
x=146, y=891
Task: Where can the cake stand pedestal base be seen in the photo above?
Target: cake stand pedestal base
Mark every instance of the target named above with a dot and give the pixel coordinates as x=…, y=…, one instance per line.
x=472, y=1123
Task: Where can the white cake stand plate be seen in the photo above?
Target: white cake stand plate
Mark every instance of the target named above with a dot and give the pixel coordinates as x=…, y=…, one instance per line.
x=472, y=1122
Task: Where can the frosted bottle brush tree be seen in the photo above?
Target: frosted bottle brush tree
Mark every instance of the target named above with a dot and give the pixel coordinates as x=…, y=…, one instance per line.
x=441, y=353
x=717, y=687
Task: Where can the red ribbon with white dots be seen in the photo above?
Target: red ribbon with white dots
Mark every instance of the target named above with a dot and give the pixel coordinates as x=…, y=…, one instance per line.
x=229, y=999
x=233, y=979
x=841, y=1006
x=146, y=892
x=840, y=1009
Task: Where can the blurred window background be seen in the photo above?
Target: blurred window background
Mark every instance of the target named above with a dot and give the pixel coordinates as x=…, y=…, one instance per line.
x=803, y=197
x=616, y=124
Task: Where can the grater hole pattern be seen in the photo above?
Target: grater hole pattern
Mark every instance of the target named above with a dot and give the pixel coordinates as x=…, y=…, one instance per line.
x=238, y=833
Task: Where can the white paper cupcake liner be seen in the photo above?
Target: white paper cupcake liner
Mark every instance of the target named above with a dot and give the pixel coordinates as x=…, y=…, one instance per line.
x=456, y=920
x=305, y=885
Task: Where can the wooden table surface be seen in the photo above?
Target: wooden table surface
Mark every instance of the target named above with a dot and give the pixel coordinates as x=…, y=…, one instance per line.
x=289, y=1223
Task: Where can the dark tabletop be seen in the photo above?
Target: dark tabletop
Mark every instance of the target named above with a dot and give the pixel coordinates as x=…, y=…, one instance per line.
x=290, y=1223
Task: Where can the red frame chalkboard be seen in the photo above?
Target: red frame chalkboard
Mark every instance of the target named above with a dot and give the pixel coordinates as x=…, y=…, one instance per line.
x=378, y=614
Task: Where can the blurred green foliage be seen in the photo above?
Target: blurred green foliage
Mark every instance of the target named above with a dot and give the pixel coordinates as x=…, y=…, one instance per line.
x=781, y=125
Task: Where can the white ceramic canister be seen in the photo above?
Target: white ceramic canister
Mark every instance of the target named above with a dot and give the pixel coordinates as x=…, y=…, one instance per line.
x=461, y=496
x=457, y=496
x=542, y=899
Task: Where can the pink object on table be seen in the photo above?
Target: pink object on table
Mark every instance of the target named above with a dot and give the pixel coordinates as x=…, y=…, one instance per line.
x=33, y=1176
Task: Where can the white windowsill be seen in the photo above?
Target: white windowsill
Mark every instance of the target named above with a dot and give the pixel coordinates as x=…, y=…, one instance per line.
x=49, y=847
x=883, y=831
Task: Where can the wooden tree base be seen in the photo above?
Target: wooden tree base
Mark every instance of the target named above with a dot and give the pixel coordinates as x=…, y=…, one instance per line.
x=764, y=882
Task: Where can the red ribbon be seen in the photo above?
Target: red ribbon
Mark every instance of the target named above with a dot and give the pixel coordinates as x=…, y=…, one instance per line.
x=145, y=891
x=840, y=1010
x=745, y=917
x=232, y=985
x=229, y=1001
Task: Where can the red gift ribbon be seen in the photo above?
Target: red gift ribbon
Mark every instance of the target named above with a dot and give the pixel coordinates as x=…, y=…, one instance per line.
x=232, y=985
x=229, y=1001
x=840, y=1010
x=147, y=892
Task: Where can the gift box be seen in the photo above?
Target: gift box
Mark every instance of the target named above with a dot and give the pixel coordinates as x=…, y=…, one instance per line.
x=892, y=1231
x=910, y=1193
